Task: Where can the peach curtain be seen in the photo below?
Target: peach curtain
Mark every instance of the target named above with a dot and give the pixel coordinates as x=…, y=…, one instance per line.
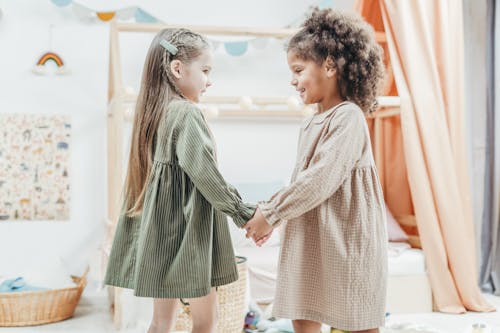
x=425, y=42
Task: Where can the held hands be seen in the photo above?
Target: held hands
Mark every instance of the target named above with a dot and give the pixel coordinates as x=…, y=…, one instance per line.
x=258, y=229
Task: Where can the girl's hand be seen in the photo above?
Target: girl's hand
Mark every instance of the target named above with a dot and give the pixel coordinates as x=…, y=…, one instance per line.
x=264, y=239
x=257, y=227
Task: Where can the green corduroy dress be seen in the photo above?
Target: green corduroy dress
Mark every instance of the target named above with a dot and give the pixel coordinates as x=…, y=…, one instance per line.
x=180, y=246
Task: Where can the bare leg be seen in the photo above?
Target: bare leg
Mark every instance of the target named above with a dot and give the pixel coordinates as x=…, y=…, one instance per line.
x=204, y=313
x=165, y=312
x=306, y=326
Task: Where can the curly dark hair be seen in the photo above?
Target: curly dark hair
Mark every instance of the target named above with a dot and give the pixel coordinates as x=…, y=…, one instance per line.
x=350, y=43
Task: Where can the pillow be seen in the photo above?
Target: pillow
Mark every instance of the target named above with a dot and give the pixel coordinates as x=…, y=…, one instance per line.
x=253, y=193
x=394, y=231
x=50, y=273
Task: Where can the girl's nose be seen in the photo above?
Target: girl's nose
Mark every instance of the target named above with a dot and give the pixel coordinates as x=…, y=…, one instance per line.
x=294, y=82
x=209, y=83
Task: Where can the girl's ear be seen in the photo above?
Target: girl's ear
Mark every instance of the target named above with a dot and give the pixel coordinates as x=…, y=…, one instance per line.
x=329, y=66
x=175, y=67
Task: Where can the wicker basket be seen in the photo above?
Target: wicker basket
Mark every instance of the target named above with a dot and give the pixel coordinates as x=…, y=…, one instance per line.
x=230, y=305
x=40, y=307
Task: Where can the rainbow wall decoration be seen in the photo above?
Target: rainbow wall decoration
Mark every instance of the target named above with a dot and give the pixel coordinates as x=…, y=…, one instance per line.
x=41, y=65
x=50, y=56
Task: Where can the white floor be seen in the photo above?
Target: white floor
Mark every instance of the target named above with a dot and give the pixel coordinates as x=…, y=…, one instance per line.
x=455, y=323
x=93, y=316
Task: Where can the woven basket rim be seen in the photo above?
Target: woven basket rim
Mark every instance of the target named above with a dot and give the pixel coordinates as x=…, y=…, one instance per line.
x=45, y=306
x=240, y=259
x=79, y=280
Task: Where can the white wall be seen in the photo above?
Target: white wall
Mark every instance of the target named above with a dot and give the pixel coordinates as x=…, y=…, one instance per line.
x=24, y=30
x=256, y=150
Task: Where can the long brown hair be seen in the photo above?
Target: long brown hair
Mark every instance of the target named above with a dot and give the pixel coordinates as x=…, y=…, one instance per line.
x=158, y=88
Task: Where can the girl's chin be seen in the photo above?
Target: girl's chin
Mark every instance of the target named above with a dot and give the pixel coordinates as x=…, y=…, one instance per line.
x=307, y=101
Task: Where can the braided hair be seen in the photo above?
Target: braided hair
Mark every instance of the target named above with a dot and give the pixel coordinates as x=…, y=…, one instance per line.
x=188, y=46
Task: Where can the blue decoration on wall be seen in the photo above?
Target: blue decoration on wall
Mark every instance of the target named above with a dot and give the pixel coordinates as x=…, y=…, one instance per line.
x=325, y=4
x=143, y=17
x=61, y=3
x=236, y=48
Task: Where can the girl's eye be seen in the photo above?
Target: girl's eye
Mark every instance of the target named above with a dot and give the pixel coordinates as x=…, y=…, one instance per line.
x=206, y=71
x=298, y=70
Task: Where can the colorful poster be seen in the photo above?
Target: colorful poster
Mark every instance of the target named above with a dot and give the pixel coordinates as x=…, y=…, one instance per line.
x=34, y=167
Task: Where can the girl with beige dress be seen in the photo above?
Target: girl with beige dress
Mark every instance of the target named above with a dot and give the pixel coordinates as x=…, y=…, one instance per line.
x=333, y=260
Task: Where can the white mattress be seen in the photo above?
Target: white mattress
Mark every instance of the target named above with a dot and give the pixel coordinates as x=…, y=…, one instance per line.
x=262, y=267
x=407, y=268
x=409, y=262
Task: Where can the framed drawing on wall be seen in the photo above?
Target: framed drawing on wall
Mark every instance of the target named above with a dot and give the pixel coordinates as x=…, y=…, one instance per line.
x=34, y=167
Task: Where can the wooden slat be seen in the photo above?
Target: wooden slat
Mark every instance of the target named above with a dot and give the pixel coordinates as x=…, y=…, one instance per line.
x=378, y=142
x=115, y=151
x=383, y=101
x=228, y=107
x=210, y=30
x=258, y=100
x=385, y=113
x=115, y=83
x=238, y=113
x=114, y=126
x=279, y=33
x=115, y=182
x=380, y=37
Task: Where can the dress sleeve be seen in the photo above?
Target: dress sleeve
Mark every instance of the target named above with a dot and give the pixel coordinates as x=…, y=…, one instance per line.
x=336, y=155
x=195, y=154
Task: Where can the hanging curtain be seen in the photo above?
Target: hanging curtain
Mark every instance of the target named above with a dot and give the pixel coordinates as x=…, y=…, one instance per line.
x=490, y=247
x=425, y=40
